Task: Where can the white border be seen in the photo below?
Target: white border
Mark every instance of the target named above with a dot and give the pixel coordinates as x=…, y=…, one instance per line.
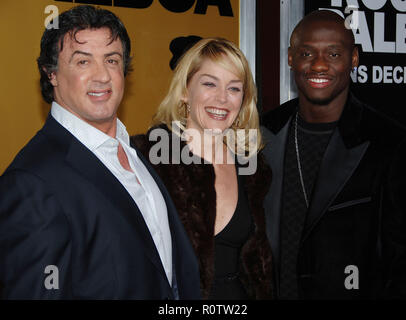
x=248, y=31
x=291, y=12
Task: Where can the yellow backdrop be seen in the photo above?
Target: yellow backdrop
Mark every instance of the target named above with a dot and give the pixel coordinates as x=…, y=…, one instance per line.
x=151, y=30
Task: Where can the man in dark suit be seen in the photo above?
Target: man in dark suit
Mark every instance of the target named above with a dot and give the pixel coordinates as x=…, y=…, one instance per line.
x=82, y=214
x=335, y=210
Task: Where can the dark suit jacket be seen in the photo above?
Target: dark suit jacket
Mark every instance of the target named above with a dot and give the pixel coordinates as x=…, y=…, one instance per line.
x=357, y=211
x=61, y=206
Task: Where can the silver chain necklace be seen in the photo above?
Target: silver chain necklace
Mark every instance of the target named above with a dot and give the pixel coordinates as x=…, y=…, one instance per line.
x=298, y=163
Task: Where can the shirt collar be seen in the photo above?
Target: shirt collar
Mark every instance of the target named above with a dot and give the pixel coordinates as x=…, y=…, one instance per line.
x=91, y=137
x=122, y=133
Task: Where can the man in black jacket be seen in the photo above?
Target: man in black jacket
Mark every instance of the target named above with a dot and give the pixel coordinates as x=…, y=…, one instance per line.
x=82, y=213
x=335, y=210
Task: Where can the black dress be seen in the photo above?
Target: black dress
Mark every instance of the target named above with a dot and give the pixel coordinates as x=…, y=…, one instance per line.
x=227, y=245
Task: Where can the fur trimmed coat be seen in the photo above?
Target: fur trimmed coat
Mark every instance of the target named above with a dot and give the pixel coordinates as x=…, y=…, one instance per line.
x=192, y=190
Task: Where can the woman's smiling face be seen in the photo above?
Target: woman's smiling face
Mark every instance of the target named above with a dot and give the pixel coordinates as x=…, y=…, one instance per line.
x=215, y=96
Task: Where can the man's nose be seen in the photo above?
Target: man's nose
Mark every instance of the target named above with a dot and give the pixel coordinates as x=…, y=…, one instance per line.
x=101, y=73
x=319, y=64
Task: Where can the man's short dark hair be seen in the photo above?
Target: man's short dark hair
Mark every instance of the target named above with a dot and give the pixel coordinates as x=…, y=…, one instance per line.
x=71, y=21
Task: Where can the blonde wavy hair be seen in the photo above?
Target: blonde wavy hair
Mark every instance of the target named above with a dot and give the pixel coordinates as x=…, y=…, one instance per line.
x=227, y=55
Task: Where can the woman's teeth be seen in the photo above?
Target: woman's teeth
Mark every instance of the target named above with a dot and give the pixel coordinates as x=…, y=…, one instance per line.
x=217, y=112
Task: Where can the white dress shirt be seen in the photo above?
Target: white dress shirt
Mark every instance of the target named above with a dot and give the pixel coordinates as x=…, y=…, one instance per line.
x=145, y=194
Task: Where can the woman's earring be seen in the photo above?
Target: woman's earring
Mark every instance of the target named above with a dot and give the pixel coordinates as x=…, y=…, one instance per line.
x=186, y=109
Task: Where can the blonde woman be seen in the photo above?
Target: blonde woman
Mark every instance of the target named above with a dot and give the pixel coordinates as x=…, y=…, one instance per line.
x=210, y=114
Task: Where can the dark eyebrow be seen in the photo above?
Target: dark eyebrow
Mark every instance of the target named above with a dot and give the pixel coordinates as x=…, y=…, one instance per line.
x=79, y=52
x=336, y=46
x=333, y=46
x=215, y=78
x=89, y=54
x=112, y=54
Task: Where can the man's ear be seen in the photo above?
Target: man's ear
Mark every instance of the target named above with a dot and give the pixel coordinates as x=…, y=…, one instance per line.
x=290, y=56
x=355, y=57
x=51, y=77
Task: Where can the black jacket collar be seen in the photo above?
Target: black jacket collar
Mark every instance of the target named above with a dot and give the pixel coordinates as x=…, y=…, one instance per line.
x=349, y=125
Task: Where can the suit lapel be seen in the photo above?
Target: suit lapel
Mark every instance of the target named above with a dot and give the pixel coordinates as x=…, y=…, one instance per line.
x=344, y=152
x=174, y=221
x=89, y=166
x=277, y=122
x=275, y=156
x=182, y=249
x=337, y=166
